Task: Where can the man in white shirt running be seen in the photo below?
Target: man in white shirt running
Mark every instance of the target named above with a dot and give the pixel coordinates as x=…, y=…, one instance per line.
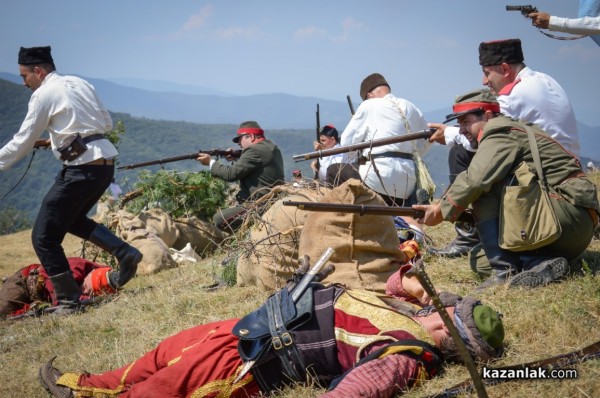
x=69, y=109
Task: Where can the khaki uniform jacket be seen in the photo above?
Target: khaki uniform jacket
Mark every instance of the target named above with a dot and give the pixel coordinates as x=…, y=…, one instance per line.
x=503, y=145
x=259, y=168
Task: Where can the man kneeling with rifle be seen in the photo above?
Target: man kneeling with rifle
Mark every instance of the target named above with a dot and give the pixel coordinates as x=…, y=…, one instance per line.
x=305, y=332
x=259, y=168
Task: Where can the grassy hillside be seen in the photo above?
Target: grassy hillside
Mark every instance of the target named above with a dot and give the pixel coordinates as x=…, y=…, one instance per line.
x=539, y=323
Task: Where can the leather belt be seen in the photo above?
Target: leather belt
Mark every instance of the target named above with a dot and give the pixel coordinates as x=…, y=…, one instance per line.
x=100, y=162
x=401, y=155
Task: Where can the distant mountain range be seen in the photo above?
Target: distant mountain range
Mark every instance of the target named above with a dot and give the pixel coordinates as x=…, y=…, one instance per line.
x=164, y=124
x=169, y=101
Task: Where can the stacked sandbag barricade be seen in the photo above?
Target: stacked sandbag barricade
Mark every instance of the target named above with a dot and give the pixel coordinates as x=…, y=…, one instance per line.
x=366, y=247
x=158, y=236
x=268, y=254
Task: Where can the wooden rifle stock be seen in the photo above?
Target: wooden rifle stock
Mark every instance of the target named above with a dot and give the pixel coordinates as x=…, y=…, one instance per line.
x=425, y=134
x=215, y=152
x=465, y=216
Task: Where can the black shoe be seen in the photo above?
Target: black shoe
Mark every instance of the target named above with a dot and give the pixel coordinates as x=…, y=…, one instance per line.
x=48, y=376
x=453, y=250
x=466, y=239
x=542, y=274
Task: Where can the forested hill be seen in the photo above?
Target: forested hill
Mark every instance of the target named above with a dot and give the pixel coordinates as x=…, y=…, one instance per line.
x=149, y=139
x=145, y=139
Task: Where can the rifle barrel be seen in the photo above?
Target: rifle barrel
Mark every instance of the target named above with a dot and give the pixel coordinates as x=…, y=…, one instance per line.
x=363, y=145
x=214, y=152
x=350, y=105
x=360, y=209
x=159, y=161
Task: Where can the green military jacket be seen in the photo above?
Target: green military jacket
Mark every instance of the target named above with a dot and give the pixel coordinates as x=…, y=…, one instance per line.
x=259, y=168
x=503, y=145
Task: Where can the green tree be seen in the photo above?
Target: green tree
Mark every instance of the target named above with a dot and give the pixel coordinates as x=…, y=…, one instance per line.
x=13, y=220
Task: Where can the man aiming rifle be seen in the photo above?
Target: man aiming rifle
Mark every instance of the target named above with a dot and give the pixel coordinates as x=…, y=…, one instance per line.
x=258, y=169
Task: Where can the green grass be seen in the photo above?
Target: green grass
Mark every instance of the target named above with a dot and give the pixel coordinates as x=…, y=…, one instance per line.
x=539, y=323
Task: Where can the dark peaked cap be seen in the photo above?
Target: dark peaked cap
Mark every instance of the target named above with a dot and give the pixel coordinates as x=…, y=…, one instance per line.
x=35, y=55
x=370, y=83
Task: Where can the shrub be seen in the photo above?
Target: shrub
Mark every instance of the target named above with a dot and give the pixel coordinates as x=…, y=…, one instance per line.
x=180, y=194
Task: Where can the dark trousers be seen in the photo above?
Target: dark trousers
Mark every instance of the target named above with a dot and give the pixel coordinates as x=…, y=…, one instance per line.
x=459, y=160
x=75, y=191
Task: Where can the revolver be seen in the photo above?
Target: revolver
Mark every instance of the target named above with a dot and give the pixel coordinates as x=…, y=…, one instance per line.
x=525, y=10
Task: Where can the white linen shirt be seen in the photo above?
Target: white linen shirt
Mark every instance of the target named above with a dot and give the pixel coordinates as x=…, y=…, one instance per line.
x=378, y=118
x=578, y=26
x=536, y=98
x=63, y=106
x=327, y=161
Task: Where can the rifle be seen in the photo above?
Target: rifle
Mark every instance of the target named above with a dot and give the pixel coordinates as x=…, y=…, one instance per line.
x=350, y=105
x=318, y=165
x=476, y=381
x=425, y=134
x=368, y=209
x=525, y=10
x=215, y=152
x=591, y=351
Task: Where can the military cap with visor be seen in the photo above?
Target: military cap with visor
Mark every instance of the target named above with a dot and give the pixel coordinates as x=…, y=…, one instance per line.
x=476, y=101
x=249, y=127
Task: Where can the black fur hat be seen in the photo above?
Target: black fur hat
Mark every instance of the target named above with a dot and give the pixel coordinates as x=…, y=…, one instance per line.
x=500, y=51
x=35, y=55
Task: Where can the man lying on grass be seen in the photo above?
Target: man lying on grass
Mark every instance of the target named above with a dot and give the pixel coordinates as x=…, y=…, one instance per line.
x=355, y=342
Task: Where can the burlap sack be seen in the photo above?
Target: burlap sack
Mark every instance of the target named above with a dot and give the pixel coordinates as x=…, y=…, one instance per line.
x=270, y=254
x=161, y=224
x=203, y=236
x=366, y=247
x=156, y=253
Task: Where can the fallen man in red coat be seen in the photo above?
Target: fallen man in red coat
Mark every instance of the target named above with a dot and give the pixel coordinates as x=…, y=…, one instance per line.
x=357, y=343
x=30, y=291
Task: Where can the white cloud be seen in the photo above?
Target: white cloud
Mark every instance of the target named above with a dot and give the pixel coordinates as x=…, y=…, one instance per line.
x=309, y=32
x=237, y=32
x=349, y=26
x=195, y=22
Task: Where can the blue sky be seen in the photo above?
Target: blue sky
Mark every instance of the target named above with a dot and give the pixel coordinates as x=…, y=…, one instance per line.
x=426, y=49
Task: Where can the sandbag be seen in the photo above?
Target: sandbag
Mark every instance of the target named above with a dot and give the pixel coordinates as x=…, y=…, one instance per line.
x=366, y=247
x=133, y=230
x=203, y=236
x=161, y=224
x=269, y=255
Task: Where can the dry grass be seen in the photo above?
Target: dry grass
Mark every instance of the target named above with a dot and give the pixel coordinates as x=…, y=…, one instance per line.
x=539, y=323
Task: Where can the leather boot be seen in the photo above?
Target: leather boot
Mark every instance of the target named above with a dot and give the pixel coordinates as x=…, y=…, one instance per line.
x=466, y=239
x=504, y=263
x=67, y=293
x=48, y=375
x=542, y=274
x=127, y=256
